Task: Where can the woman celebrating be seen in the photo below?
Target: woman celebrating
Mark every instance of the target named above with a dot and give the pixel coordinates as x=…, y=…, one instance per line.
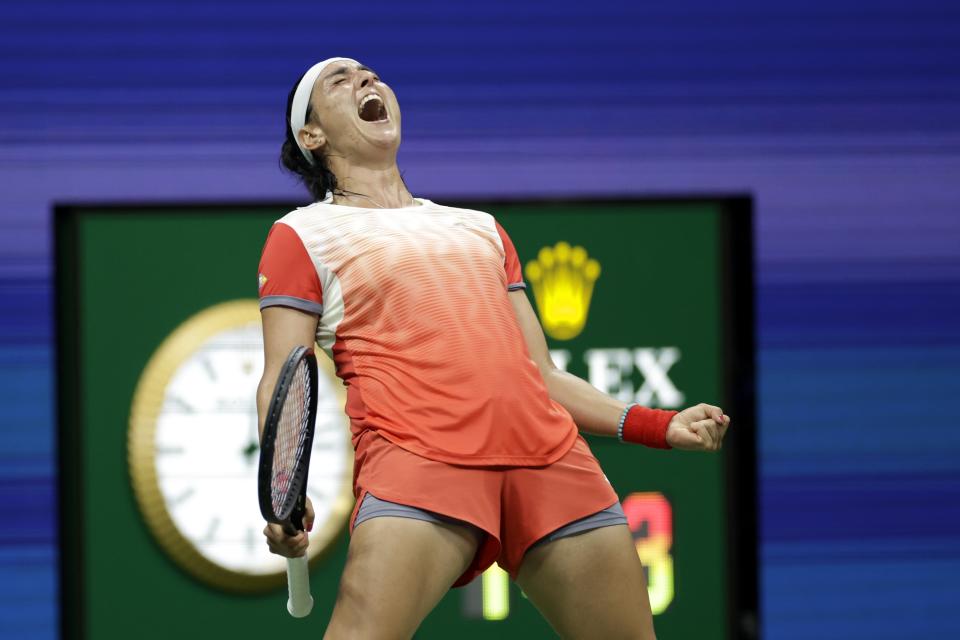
x=466, y=434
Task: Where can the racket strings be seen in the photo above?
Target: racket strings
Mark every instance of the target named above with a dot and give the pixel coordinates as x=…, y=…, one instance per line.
x=290, y=442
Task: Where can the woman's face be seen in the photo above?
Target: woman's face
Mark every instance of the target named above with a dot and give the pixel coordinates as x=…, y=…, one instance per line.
x=356, y=114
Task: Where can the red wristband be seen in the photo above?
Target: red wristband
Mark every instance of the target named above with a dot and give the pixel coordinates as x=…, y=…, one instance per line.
x=647, y=426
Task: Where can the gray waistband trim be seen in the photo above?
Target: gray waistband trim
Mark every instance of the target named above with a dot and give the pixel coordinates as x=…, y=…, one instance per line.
x=289, y=301
x=374, y=507
x=612, y=515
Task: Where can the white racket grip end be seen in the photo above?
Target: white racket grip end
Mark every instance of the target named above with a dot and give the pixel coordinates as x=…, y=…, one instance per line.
x=298, y=583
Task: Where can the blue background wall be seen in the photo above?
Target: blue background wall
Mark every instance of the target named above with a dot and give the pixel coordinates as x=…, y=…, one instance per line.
x=841, y=118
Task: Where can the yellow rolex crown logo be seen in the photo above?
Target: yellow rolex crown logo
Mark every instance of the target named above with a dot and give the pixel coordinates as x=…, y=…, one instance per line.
x=562, y=277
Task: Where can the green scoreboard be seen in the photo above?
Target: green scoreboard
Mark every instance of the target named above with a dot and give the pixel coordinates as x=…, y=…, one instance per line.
x=159, y=355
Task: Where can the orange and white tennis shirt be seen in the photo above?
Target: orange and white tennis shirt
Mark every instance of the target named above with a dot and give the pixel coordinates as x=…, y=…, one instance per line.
x=413, y=309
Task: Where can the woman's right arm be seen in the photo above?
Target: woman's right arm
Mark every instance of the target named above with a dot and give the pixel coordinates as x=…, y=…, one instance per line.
x=283, y=329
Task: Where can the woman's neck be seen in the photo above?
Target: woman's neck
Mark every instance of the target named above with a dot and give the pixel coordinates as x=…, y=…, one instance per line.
x=360, y=186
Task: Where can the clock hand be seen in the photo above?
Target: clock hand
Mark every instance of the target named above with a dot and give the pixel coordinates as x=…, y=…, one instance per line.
x=253, y=446
x=250, y=451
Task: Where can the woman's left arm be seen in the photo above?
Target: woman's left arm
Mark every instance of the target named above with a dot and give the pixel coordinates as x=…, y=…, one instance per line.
x=701, y=427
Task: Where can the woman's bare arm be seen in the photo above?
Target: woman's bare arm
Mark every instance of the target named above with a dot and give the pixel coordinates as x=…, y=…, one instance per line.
x=700, y=428
x=283, y=329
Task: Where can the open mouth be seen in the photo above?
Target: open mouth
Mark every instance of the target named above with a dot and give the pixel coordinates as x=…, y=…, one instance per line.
x=372, y=109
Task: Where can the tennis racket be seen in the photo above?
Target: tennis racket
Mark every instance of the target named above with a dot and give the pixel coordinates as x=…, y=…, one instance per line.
x=285, y=461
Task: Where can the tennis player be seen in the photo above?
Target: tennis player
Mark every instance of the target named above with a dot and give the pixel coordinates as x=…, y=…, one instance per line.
x=466, y=435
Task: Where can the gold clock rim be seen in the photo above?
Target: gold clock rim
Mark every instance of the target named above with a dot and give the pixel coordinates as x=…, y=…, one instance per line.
x=141, y=454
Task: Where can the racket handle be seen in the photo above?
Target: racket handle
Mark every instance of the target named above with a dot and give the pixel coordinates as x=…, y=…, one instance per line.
x=298, y=583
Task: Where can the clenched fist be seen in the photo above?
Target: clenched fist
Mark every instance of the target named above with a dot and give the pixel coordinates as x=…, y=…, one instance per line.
x=699, y=428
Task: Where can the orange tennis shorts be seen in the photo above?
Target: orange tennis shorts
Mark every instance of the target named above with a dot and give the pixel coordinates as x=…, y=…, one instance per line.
x=514, y=506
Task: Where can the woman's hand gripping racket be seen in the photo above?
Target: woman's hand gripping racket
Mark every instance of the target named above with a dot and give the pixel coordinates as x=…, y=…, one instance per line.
x=285, y=461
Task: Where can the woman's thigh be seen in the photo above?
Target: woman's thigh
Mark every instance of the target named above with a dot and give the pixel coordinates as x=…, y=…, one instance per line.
x=590, y=585
x=397, y=570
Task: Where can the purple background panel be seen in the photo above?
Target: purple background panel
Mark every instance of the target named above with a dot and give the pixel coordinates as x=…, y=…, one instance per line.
x=841, y=119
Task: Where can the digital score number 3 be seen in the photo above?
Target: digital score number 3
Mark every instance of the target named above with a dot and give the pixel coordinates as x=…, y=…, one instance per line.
x=651, y=521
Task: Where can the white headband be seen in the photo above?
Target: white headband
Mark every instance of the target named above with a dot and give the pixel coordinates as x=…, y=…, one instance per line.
x=301, y=101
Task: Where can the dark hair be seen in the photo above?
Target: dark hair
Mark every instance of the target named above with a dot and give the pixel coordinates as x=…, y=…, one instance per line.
x=317, y=177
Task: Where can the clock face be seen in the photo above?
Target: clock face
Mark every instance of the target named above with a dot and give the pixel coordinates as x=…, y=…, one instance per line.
x=195, y=451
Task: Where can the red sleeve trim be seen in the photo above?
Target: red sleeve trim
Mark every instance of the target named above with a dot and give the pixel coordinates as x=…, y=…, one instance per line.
x=287, y=276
